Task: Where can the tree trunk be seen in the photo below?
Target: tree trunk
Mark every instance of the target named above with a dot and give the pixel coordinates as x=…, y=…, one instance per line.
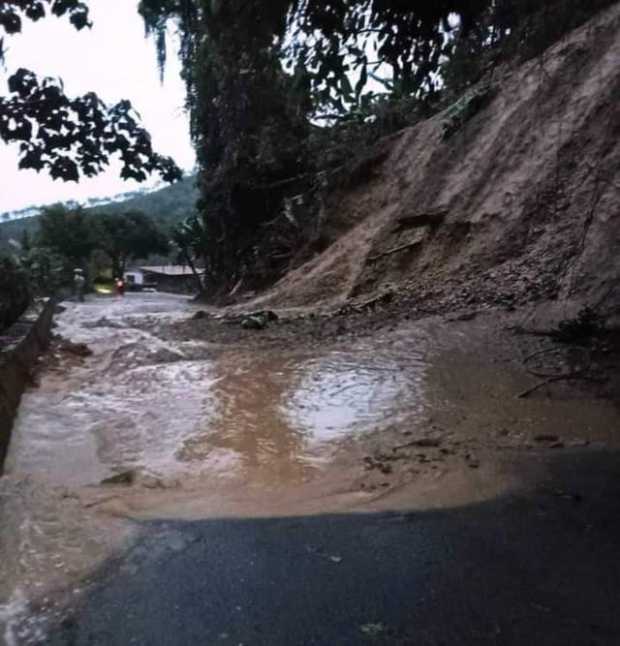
x=116, y=266
x=190, y=264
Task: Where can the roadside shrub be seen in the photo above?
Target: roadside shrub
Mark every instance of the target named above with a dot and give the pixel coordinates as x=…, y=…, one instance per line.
x=14, y=293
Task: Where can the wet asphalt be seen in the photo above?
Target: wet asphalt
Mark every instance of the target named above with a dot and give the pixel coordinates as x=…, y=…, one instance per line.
x=542, y=567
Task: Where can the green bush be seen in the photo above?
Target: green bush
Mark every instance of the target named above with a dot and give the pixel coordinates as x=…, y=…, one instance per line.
x=14, y=293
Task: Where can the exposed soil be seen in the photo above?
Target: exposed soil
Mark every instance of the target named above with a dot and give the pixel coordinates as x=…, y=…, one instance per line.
x=519, y=206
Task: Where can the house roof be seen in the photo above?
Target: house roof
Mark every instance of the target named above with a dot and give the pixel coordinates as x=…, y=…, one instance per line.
x=170, y=270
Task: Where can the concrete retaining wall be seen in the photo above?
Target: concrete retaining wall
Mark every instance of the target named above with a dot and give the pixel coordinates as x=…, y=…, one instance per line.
x=19, y=349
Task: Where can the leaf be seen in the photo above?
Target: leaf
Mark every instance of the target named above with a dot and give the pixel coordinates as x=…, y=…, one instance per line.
x=10, y=21
x=23, y=82
x=32, y=159
x=79, y=18
x=363, y=79
x=65, y=169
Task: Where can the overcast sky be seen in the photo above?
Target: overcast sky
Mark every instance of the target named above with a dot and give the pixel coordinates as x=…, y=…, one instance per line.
x=114, y=60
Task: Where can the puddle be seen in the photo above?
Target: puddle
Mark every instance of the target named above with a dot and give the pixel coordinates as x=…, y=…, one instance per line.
x=350, y=392
x=277, y=419
x=142, y=404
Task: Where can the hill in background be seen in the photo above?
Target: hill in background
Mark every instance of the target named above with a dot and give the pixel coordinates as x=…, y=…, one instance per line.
x=168, y=206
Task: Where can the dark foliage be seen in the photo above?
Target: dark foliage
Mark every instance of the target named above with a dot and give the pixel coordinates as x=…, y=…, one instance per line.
x=70, y=137
x=14, y=293
x=75, y=235
x=261, y=75
x=167, y=207
x=70, y=234
x=128, y=236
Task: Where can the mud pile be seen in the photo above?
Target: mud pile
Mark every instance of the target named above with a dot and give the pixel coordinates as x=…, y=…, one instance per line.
x=519, y=204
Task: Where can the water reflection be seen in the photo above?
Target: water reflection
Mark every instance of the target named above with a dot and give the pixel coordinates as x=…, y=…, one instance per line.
x=345, y=393
x=278, y=417
x=157, y=408
x=243, y=427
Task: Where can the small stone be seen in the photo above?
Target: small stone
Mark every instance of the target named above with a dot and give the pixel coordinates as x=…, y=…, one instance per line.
x=254, y=323
x=78, y=349
x=427, y=443
x=126, y=478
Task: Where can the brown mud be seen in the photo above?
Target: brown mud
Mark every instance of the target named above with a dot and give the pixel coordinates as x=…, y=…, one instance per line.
x=178, y=417
x=519, y=205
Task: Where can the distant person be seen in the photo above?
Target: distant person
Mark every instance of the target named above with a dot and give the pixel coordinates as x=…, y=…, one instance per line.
x=120, y=286
x=79, y=283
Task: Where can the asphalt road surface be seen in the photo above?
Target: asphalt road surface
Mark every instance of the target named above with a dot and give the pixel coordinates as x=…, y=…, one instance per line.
x=538, y=568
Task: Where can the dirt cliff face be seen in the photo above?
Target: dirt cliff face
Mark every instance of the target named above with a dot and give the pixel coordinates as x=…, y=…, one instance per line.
x=520, y=204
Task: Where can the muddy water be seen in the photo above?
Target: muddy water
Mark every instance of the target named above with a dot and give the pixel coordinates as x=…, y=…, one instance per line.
x=178, y=410
x=211, y=431
x=177, y=416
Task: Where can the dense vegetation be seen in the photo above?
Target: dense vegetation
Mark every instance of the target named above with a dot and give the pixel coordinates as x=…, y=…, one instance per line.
x=168, y=207
x=102, y=244
x=282, y=96
x=41, y=261
x=14, y=293
x=261, y=77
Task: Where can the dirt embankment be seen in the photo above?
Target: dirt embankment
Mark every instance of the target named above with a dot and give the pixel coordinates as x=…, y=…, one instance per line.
x=520, y=204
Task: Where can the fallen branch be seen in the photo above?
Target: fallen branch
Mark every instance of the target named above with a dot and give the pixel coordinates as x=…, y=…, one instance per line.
x=385, y=297
x=393, y=251
x=540, y=352
x=423, y=443
x=518, y=329
x=580, y=374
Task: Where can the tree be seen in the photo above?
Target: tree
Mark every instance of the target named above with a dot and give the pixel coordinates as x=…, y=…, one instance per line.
x=130, y=236
x=189, y=240
x=68, y=233
x=45, y=270
x=70, y=137
x=260, y=75
x=14, y=292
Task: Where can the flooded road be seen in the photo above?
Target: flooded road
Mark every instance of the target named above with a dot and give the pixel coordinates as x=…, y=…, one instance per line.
x=168, y=410
x=181, y=418
x=148, y=428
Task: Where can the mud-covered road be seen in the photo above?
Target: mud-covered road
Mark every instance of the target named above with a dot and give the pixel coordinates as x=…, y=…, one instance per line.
x=211, y=488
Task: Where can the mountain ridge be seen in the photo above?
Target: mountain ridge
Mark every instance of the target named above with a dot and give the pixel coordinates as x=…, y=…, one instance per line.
x=168, y=206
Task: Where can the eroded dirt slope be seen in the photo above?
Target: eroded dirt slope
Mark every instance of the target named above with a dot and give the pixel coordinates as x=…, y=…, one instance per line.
x=520, y=204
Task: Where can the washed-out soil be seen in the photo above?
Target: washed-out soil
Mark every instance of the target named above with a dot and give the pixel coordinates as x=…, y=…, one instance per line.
x=517, y=347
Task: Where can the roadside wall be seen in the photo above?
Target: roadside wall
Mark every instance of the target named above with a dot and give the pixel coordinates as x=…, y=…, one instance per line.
x=24, y=341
